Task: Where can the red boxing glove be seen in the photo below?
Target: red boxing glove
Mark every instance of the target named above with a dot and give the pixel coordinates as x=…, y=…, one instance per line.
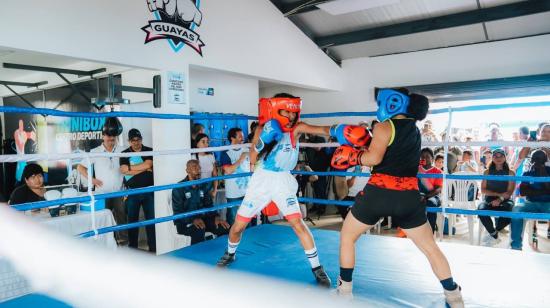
x=346, y=156
x=351, y=135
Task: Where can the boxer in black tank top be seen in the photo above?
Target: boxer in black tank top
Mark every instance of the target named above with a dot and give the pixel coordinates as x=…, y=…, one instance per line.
x=392, y=190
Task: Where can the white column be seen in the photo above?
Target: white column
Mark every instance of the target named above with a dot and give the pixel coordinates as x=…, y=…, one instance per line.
x=169, y=135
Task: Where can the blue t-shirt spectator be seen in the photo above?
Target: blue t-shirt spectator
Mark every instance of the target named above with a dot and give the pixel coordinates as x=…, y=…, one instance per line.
x=537, y=186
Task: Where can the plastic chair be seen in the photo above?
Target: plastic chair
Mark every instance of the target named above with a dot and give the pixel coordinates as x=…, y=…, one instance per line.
x=459, y=191
x=180, y=240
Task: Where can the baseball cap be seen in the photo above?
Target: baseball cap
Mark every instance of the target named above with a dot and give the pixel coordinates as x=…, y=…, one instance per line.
x=499, y=151
x=134, y=133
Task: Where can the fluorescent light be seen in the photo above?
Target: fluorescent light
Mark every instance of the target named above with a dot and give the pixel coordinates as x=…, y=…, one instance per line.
x=348, y=6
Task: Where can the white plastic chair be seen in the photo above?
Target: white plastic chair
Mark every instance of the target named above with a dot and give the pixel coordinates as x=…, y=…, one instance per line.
x=180, y=240
x=459, y=189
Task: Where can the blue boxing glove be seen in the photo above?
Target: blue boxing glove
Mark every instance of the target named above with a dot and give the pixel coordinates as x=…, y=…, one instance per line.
x=350, y=134
x=271, y=132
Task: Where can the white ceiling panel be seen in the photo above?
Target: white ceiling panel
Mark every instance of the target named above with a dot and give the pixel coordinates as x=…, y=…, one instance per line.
x=492, y=3
x=322, y=23
x=412, y=42
x=519, y=26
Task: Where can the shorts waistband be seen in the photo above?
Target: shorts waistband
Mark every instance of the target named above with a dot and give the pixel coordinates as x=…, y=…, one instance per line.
x=386, y=181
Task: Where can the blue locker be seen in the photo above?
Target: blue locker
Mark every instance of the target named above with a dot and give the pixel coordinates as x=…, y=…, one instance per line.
x=216, y=128
x=204, y=122
x=228, y=124
x=243, y=124
x=217, y=143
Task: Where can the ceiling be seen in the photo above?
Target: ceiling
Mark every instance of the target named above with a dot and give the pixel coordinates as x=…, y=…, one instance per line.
x=369, y=28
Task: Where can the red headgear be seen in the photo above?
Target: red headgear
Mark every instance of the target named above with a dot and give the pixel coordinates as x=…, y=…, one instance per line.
x=269, y=108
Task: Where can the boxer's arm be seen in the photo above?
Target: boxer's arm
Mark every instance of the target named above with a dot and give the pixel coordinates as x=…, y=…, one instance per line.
x=381, y=137
x=304, y=128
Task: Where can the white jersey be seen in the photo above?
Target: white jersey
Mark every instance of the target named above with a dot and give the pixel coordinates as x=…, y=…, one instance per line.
x=283, y=157
x=236, y=188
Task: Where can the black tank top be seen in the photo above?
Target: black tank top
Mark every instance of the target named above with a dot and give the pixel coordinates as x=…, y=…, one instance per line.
x=496, y=186
x=402, y=156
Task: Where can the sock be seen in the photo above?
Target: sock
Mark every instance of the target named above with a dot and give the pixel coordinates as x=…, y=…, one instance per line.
x=448, y=284
x=313, y=257
x=346, y=273
x=494, y=235
x=232, y=247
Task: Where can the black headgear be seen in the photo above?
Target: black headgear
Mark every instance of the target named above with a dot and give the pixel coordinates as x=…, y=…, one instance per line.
x=112, y=127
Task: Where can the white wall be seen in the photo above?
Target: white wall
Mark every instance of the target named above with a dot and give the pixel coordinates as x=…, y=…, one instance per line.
x=248, y=37
x=518, y=57
x=232, y=93
x=139, y=102
x=169, y=135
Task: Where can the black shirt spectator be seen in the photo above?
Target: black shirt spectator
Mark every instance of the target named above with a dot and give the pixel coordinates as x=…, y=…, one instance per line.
x=196, y=197
x=319, y=160
x=33, y=188
x=24, y=194
x=142, y=179
x=138, y=172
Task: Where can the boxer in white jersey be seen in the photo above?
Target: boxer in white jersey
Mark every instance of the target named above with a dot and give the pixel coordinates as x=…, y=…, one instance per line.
x=275, y=154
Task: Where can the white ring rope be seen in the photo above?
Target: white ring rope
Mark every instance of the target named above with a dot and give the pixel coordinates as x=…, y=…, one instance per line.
x=92, y=197
x=10, y=158
x=84, y=275
x=83, y=155
x=445, y=166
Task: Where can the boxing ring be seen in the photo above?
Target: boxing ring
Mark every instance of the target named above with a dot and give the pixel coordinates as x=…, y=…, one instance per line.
x=390, y=272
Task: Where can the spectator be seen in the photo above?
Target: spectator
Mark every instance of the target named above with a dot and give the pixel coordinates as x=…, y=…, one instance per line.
x=543, y=135
x=253, y=127
x=197, y=129
x=107, y=178
x=536, y=193
x=497, y=197
x=494, y=135
x=33, y=188
x=303, y=180
x=428, y=134
x=235, y=161
x=430, y=188
x=138, y=172
x=523, y=135
x=467, y=164
x=439, y=160
x=355, y=185
x=486, y=160
x=207, y=161
x=192, y=198
x=319, y=160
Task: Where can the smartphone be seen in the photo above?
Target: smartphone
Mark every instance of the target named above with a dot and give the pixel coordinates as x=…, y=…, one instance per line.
x=533, y=135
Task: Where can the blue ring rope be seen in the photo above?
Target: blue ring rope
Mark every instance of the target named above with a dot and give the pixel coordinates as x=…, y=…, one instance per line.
x=513, y=215
x=158, y=220
x=448, y=210
x=137, y=191
x=502, y=178
x=120, y=114
x=125, y=114
x=122, y=193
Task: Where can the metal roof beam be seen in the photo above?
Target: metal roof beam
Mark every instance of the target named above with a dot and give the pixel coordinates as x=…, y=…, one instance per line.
x=53, y=69
x=23, y=84
x=436, y=23
x=301, y=7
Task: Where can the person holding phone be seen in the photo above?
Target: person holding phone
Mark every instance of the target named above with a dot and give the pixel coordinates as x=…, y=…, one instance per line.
x=543, y=136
